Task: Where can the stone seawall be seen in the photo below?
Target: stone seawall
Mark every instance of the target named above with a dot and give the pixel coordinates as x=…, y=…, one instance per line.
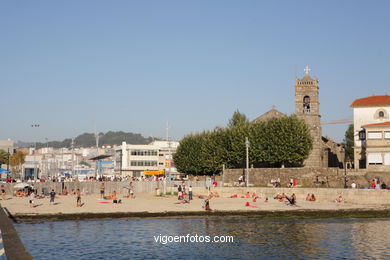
x=13, y=246
x=358, y=196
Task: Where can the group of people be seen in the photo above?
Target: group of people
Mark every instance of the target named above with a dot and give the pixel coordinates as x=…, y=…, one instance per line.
x=310, y=197
x=376, y=184
x=184, y=194
x=292, y=200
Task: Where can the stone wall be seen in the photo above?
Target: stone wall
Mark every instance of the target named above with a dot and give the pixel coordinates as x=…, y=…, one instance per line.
x=306, y=177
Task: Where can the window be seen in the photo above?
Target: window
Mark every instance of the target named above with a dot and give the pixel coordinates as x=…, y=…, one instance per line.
x=374, y=158
x=387, y=134
x=381, y=114
x=374, y=135
x=144, y=152
x=143, y=163
x=387, y=159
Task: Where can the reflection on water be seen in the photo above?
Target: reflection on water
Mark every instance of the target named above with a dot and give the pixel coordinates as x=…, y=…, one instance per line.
x=253, y=238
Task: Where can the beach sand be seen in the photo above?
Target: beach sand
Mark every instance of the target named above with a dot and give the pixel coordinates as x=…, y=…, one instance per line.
x=148, y=203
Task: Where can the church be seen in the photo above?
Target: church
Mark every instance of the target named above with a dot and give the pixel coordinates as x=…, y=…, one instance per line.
x=325, y=152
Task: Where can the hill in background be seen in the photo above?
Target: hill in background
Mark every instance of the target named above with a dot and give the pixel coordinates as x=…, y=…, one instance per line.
x=88, y=140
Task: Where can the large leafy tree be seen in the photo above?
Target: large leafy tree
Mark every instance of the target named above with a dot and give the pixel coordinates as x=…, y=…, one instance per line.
x=349, y=142
x=276, y=142
x=285, y=141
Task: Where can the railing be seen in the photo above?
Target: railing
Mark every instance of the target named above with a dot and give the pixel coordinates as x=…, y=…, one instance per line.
x=121, y=187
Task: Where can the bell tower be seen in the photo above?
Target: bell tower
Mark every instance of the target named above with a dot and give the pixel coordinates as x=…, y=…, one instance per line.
x=307, y=107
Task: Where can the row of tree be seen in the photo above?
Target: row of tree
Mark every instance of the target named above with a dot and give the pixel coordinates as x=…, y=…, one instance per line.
x=277, y=142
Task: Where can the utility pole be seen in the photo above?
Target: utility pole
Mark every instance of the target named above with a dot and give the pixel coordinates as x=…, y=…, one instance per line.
x=247, y=161
x=169, y=149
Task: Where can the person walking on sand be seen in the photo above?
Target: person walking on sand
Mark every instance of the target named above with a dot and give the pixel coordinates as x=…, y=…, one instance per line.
x=3, y=193
x=52, y=196
x=190, y=193
x=102, y=188
x=78, y=195
x=32, y=198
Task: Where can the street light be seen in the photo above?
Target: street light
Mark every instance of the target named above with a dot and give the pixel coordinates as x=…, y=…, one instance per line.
x=35, y=148
x=247, y=161
x=345, y=167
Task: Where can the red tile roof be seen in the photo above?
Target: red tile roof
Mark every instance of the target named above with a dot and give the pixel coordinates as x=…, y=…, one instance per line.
x=372, y=101
x=378, y=124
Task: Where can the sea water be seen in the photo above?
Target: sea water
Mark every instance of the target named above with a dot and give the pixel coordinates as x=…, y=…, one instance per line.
x=252, y=238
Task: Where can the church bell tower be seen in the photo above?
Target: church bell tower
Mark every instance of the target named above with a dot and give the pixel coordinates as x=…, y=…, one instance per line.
x=307, y=107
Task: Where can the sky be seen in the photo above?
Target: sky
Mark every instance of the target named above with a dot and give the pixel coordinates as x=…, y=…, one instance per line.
x=76, y=66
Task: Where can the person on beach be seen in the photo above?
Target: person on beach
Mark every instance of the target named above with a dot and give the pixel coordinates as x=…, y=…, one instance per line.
x=207, y=204
x=190, y=193
x=132, y=194
x=52, y=196
x=32, y=198
x=78, y=195
x=339, y=200
x=102, y=188
x=115, y=198
x=65, y=191
x=3, y=193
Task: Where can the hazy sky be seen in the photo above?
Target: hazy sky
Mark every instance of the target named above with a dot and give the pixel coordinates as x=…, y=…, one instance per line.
x=134, y=65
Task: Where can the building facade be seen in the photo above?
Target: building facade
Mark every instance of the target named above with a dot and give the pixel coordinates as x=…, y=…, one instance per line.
x=133, y=160
x=372, y=133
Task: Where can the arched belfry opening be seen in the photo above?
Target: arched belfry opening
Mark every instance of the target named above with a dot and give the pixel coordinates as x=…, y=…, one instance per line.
x=306, y=105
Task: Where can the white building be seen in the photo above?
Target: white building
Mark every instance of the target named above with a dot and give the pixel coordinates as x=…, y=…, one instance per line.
x=134, y=159
x=372, y=133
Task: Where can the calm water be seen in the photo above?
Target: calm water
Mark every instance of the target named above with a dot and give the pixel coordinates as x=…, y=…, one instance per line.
x=253, y=238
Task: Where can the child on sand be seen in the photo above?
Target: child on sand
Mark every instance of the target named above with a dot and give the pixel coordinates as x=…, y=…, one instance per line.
x=52, y=196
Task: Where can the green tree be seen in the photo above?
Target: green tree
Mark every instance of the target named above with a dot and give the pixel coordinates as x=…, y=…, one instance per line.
x=188, y=157
x=238, y=119
x=283, y=141
x=16, y=160
x=3, y=157
x=349, y=143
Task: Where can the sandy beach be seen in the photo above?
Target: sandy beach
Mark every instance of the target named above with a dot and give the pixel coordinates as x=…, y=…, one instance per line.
x=149, y=204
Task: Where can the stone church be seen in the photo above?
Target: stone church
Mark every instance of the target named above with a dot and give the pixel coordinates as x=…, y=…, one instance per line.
x=325, y=152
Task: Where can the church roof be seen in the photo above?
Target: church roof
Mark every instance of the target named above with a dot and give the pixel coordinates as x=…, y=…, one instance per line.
x=268, y=115
x=372, y=101
x=378, y=124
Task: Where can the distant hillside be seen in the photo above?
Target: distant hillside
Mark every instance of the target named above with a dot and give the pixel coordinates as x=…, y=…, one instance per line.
x=109, y=138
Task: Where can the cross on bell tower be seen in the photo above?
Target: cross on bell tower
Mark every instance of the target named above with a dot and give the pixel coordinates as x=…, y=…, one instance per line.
x=307, y=69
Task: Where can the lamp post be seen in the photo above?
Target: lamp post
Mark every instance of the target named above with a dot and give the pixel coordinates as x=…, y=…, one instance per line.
x=247, y=161
x=345, y=168
x=35, y=148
